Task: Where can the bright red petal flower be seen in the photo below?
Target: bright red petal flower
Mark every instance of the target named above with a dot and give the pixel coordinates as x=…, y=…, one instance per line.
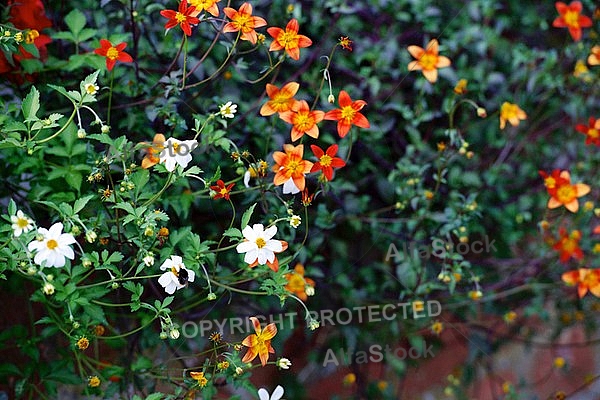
x=113, y=53
x=183, y=17
x=591, y=131
x=348, y=114
x=327, y=160
x=570, y=17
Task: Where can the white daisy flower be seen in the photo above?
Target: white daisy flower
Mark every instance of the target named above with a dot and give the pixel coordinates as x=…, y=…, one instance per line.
x=259, y=244
x=277, y=394
x=295, y=221
x=21, y=223
x=52, y=246
x=228, y=110
x=177, y=152
x=177, y=275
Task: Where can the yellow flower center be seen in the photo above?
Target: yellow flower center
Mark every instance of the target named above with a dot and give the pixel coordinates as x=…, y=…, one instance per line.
x=243, y=22
x=176, y=148
x=289, y=40
x=569, y=245
x=303, y=121
x=593, y=133
x=348, y=113
x=325, y=160
x=280, y=102
x=52, y=244
x=566, y=193
x=296, y=283
x=590, y=280
x=550, y=182
x=260, y=242
x=22, y=223
x=428, y=61
x=31, y=36
x=572, y=18
x=180, y=18
x=112, y=53
x=224, y=191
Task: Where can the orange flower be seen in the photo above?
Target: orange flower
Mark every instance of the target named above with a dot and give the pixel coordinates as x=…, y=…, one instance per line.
x=113, y=53
x=346, y=43
x=594, y=57
x=562, y=192
x=570, y=17
x=222, y=190
x=280, y=99
x=291, y=165
x=585, y=279
x=208, y=5
x=153, y=150
x=512, y=113
x=327, y=160
x=243, y=21
x=297, y=283
x=348, y=114
x=307, y=198
x=289, y=39
x=461, y=87
x=199, y=378
x=259, y=344
x=591, y=131
x=183, y=17
x=304, y=120
x=428, y=60
x=568, y=245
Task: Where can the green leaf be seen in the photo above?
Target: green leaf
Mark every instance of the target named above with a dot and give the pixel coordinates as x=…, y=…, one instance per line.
x=80, y=203
x=12, y=207
x=31, y=104
x=74, y=179
x=246, y=216
x=233, y=233
x=75, y=20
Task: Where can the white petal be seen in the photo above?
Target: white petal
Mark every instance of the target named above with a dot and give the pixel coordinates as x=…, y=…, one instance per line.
x=57, y=260
x=251, y=256
x=274, y=245
x=55, y=230
x=289, y=187
x=170, y=289
x=166, y=279
x=265, y=255
x=249, y=234
x=34, y=245
x=65, y=239
x=67, y=252
x=247, y=179
x=191, y=275
x=167, y=265
x=245, y=247
x=177, y=259
x=277, y=393
x=270, y=232
x=40, y=257
x=263, y=394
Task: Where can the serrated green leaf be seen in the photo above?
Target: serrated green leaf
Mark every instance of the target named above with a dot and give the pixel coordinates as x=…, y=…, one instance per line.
x=75, y=20
x=31, y=104
x=80, y=203
x=233, y=232
x=246, y=216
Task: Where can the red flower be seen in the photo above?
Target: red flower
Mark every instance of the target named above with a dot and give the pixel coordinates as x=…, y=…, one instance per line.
x=570, y=17
x=592, y=131
x=327, y=160
x=113, y=53
x=222, y=190
x=288, y=39
x=348, y=114
x=568, y=245
x=183, y=17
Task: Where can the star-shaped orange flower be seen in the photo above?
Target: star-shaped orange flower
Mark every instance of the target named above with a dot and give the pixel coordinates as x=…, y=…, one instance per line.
x=280, y=100
x=512, y=113
x=303, y=120
x=291, y=165
x=153, y=151
x=428, y=60
x=113, y=53
x=242, y=20
x=562, y=192
x=259, y=344
x=289, y=39
x=586, y=280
